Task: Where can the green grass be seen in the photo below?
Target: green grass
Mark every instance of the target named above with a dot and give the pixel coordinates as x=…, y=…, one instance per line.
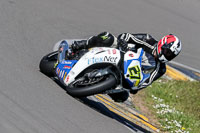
x=176, y=104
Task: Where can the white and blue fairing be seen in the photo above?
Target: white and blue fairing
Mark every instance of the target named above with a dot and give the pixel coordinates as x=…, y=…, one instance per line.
x=67, y=70
x=133, y=72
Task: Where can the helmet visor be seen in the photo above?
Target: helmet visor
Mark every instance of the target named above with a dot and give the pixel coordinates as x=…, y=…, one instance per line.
x=169, y=55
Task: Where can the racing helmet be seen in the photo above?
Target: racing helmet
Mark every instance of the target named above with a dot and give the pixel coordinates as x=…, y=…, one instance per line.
x=106, y=39
x=168, y=48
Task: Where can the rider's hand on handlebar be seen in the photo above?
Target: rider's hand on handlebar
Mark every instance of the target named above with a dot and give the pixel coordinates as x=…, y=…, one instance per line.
x=122, y=44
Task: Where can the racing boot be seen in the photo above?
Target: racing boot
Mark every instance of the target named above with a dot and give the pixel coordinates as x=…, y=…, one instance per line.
x=119, y=96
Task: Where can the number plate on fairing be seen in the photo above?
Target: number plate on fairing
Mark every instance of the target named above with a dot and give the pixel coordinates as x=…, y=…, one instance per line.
x=132, y=67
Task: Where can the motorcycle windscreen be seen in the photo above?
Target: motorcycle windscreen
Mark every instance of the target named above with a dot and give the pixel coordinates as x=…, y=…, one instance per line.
x=63, y=49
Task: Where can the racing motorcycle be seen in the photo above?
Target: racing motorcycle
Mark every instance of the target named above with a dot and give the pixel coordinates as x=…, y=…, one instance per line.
x=96, y=70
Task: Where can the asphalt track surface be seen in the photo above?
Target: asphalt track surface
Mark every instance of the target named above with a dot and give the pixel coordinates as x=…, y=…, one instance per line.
x=30, y=102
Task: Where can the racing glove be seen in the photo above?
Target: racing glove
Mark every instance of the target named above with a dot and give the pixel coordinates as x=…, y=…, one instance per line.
x=122, y=45
x=78, y=45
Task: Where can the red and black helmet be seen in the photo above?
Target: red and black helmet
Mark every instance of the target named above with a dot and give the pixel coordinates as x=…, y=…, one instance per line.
x=168, y=48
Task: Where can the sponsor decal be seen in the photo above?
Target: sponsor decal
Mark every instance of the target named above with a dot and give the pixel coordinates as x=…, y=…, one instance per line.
x=65, y=75
x=66, y=67
x=100, y=49
x=58, y=71
x=110, y=59
x=67, y=62
x=109, y=51
x=95, y=60
x=113, y=51
x=61, y=73
x=131, y=55
x=102, y=59
x=67, y=79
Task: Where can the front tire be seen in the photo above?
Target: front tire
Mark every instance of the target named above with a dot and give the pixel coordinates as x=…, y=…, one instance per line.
x=47, y=63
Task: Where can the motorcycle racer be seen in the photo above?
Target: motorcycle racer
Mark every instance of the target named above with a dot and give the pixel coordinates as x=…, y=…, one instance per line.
x=156, y=53
x=163, y=51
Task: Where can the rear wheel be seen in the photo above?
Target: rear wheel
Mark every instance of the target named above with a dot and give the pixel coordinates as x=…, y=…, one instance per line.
x=103, y=84
x=47, y=63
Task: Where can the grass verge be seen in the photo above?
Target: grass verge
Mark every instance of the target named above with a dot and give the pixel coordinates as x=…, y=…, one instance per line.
x=175, y=104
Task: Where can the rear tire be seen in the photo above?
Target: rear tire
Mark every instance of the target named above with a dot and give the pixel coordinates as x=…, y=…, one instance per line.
x=47, y=64
x=108, y=83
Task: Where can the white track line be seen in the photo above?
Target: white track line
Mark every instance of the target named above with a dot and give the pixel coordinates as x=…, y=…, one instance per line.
x=184, y=66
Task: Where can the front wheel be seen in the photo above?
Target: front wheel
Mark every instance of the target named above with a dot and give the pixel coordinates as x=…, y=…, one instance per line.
x=108, y=82
x=47, y=63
